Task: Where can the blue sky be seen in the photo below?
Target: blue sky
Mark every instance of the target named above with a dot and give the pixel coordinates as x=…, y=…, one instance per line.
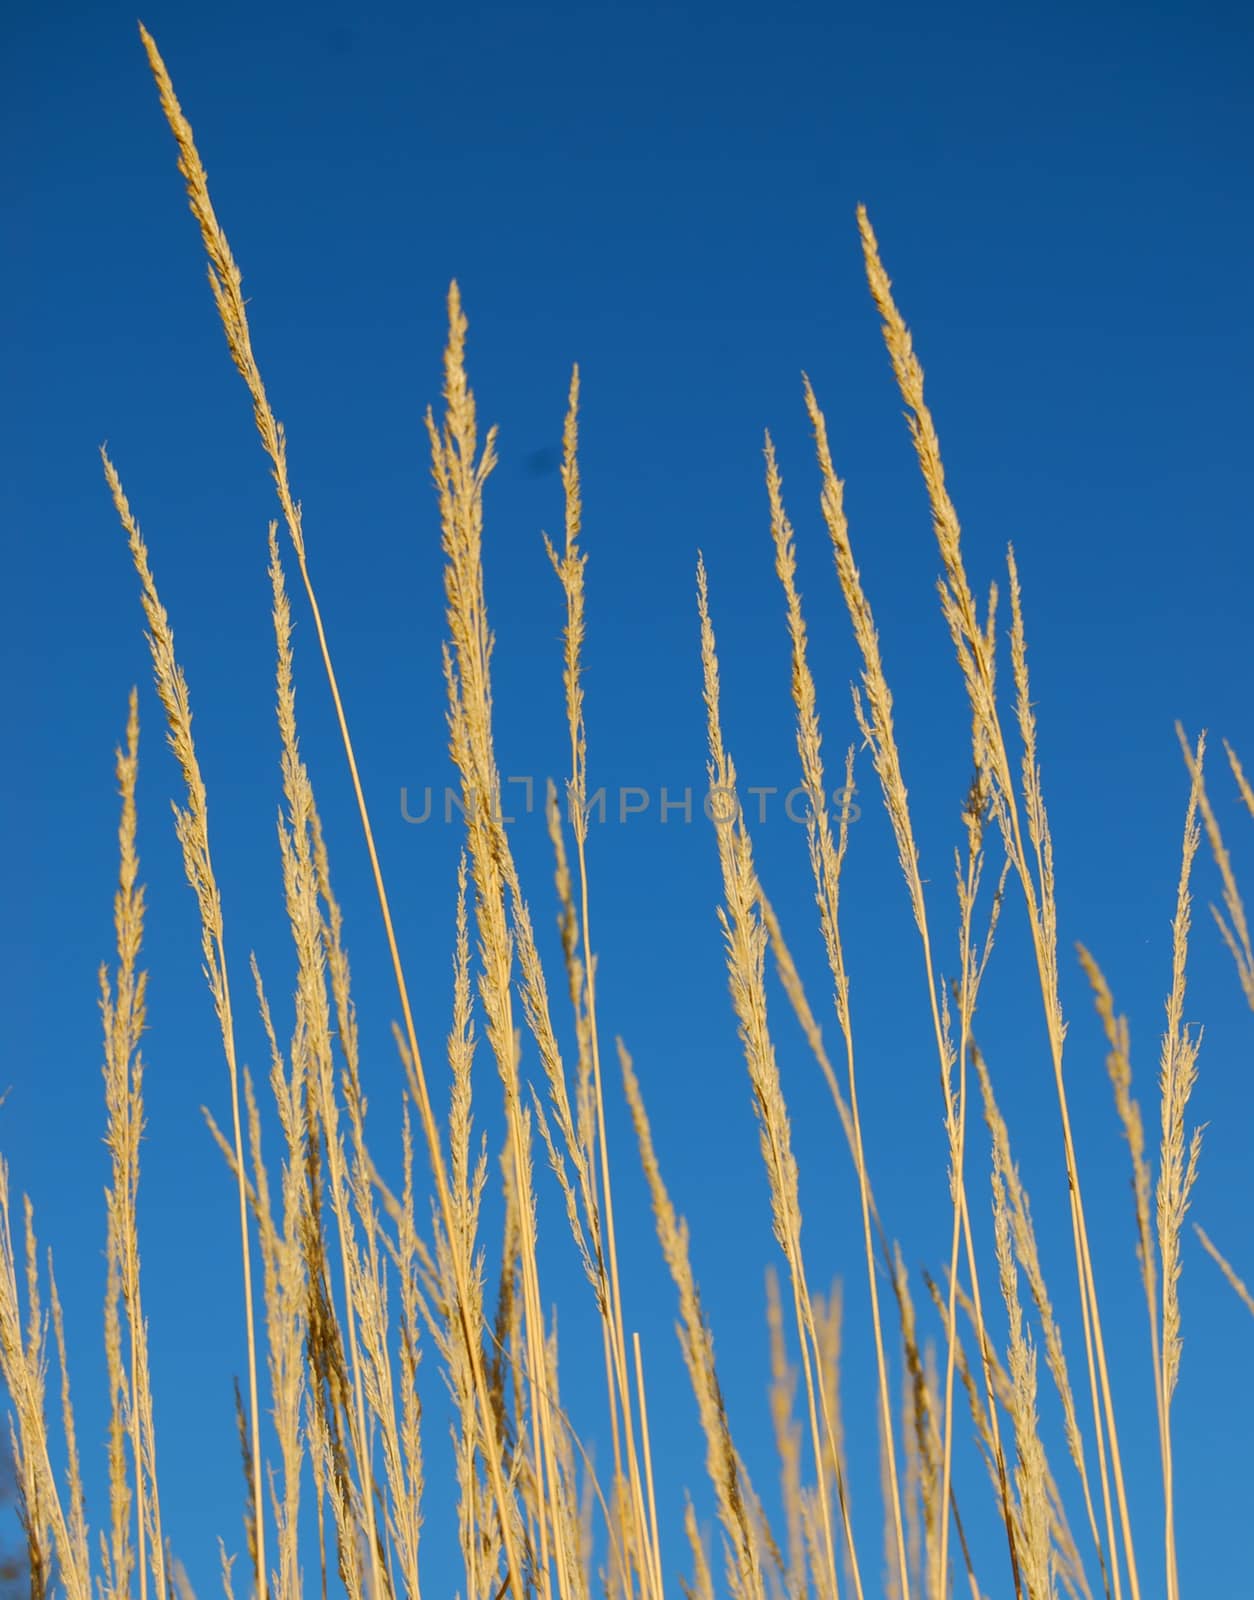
x=667, y=196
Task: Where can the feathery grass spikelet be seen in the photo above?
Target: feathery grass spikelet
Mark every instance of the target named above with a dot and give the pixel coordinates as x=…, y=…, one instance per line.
x=192, y=829
x=1235, y=1283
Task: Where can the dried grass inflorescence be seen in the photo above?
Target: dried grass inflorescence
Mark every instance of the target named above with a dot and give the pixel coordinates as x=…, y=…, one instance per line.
x=370, y=1292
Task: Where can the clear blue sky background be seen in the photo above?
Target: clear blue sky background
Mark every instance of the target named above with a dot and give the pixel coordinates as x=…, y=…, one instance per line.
x=666, y=195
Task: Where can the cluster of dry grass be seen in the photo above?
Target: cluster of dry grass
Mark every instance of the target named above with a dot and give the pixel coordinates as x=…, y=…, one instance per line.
x=354, y=1283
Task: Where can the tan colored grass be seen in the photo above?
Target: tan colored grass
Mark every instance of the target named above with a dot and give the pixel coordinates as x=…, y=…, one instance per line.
x=595, y=1183
x=55, y=1522
x=1119, y=1066
x=123, y=1014
x=226, y=284
x=1024, y=828
x=321, y=964
x=1232, y=922
x=1034, y=1547
x=1023, y=1235
x=1236, y=1283
x=1178, y=1153
x=285, y=1291
x=788, y=1436
x=915, y=1415
x=745, y=938
x=460, y=471
x=1067, y=1562
x=702, y=1585
x=192, y=828
x=875, y=720
x=743, y=1552
x=367, y=1297
x=826, y=858
x=1178, y=1157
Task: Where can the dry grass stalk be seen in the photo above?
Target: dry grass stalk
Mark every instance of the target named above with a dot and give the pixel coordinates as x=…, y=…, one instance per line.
x=875, y=720
x=744, y=1561
x=1023, y=1234
x=344, y=1373
x=117, y=1557
x=1031, y=855
x=1234, y=926
x=595, y=1185
x=702, y=1585
x=226, y=283
x=192, y=828
x=396, y=1419
x=829, y=1314
x=122, y=1009
x=909, y=1503
x=77, y=1517
x=793, y=987
x=1244, y=787
x=1178, y=1157
x=1067, y=1563
x=54, y=1531
x=788, y=1436
x=920, y=1409
x=469, y=1175
x=1177, y=1170
x=318, y=955
x=1034, y=1549
x=745, y=937
x=826, y=859
x=460, y=472
x=647, y=1450
x=1234, y=1282
x=923, y=1445
x=285, y=1292
x=1119, y=1066
x=795, y=991
x=972, y=964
